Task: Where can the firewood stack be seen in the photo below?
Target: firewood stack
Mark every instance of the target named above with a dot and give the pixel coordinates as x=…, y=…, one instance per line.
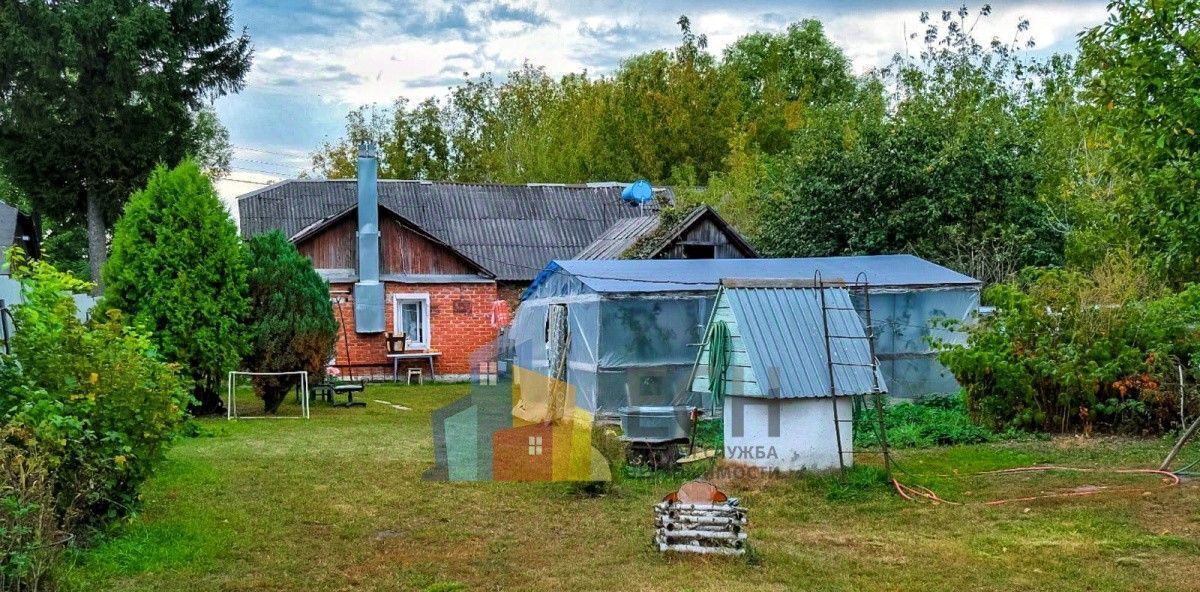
x=699, y=518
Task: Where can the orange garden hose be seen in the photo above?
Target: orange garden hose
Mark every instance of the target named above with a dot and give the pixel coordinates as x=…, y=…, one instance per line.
x=914, y=493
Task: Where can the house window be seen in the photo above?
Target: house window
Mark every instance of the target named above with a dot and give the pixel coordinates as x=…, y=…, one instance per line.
x=699, y=251
x=410, y=316
x=535, y=446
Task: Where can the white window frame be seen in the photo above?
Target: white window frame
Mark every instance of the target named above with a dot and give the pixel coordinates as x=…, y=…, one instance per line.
x=398, y=326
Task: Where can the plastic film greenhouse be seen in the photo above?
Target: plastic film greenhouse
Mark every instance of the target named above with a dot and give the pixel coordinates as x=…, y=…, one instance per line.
x=629, y=330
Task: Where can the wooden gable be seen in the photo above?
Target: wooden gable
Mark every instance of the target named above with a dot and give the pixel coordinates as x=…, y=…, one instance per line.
x=404, y=249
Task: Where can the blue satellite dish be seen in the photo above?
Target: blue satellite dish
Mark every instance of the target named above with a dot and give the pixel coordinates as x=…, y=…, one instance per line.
x=638, y=192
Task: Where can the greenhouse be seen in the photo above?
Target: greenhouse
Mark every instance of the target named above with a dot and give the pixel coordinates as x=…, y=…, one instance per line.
x=626, y=332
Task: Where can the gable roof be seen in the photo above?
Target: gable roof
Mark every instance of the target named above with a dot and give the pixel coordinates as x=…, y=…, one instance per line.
x=511, y=230
x=704, y=275
x=19, y=229
x=618, y=238
x=784, y=336
x=624, y=234
x=320, y=225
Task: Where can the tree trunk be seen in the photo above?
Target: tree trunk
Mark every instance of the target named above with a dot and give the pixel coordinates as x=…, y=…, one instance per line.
x=208, y=400
x=97, y=236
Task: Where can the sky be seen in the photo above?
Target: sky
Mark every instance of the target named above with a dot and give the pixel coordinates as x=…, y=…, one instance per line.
x=315, y=60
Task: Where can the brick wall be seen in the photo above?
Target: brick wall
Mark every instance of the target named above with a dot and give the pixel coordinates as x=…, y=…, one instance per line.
x=461, y=323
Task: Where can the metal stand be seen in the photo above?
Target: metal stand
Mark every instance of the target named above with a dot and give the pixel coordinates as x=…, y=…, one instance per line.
x=860, y=284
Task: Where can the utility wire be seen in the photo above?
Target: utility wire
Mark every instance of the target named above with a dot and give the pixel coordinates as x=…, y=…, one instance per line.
x=269, y=152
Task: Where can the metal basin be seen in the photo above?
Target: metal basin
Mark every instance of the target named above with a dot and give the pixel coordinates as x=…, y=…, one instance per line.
x=659, y=423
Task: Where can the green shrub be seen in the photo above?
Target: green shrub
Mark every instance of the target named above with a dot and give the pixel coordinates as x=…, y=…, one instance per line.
x=87, y=410
x=31, y=536
x=1068, y=351
x=923, y=422
x=291, y=321
x=177, y=269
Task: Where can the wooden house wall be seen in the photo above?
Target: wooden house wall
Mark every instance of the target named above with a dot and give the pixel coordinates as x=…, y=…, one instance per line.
x=335, y=248
x=404, y=251
x=401, y=250
x=705, y=232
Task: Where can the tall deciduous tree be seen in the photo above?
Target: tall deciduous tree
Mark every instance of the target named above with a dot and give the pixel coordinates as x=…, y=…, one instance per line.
x=178, y=270
x=934, y=157
x=291, y=320
x=95, y=93
x=1143, y=67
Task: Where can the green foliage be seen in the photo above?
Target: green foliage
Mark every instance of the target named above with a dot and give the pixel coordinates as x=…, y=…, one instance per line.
x=667, y=116
x=1143, y=90
x=780, y=76
x=178, y=270
x=291, y=323
x=1066, y=350
x=87, y=410
x=933, y=156
x=97, y=93
x=920, y=423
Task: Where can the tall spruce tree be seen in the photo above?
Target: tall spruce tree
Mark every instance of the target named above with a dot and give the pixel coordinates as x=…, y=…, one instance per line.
x=95, y=93
x=178, y=270
x=291, y=320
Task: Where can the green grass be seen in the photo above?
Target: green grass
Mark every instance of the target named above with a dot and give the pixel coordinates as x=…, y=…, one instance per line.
x=338, y=503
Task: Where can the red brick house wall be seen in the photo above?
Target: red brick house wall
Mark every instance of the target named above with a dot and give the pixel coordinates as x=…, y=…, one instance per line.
x=460, y=324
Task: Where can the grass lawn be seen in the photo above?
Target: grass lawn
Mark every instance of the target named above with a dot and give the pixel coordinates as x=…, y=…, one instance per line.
x=338, y=503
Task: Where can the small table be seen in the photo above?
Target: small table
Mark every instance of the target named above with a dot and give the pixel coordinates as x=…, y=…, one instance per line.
x=414, y=355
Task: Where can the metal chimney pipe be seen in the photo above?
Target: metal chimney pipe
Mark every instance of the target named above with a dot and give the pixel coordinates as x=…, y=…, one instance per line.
x=368, y=215
x=368, y=292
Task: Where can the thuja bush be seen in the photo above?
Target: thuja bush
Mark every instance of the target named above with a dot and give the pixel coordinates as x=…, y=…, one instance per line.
x=178, y=270
x=87, y=410
x=1071, y=351
x=291, y=321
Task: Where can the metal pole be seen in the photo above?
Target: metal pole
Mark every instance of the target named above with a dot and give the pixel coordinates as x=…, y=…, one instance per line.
x=876, y=392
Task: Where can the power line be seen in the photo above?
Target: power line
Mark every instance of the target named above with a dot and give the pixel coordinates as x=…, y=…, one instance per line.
x=263, y=162
x=260, y=171
x=236, y=180
x=270, y=152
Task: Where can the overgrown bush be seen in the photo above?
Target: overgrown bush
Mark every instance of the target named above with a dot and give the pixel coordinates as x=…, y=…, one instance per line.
x=936, y=420
x=86, y=412
x=1066, y=351
x=291, y=321
x=177, y=269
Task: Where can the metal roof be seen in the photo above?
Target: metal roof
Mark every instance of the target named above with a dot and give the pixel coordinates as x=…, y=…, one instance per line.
x=623, y=234
x=618, y=238
x=784, y=334
x=704, y=275
x=512, y=230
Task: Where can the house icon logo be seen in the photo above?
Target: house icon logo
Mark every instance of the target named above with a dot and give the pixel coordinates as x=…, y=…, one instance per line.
x=515, y=425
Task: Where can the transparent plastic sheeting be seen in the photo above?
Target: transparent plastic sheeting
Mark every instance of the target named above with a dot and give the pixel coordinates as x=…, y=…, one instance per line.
x=639, y=349
x=905, y=322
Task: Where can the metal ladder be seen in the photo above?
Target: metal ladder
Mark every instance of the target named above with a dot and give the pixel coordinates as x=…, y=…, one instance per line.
x=860, y=284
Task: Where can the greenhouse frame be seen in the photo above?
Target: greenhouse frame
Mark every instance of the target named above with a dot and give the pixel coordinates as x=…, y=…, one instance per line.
x=634, y=326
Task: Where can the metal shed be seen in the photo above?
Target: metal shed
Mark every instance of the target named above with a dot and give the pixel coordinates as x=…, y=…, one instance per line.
x=635, y=325
x=786, y=358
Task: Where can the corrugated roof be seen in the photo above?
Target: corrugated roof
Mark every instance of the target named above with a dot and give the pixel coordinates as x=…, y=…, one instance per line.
x=784, y=334
x=683, y=275
x=513, y=230
x=623, y=234
x=619, y=237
